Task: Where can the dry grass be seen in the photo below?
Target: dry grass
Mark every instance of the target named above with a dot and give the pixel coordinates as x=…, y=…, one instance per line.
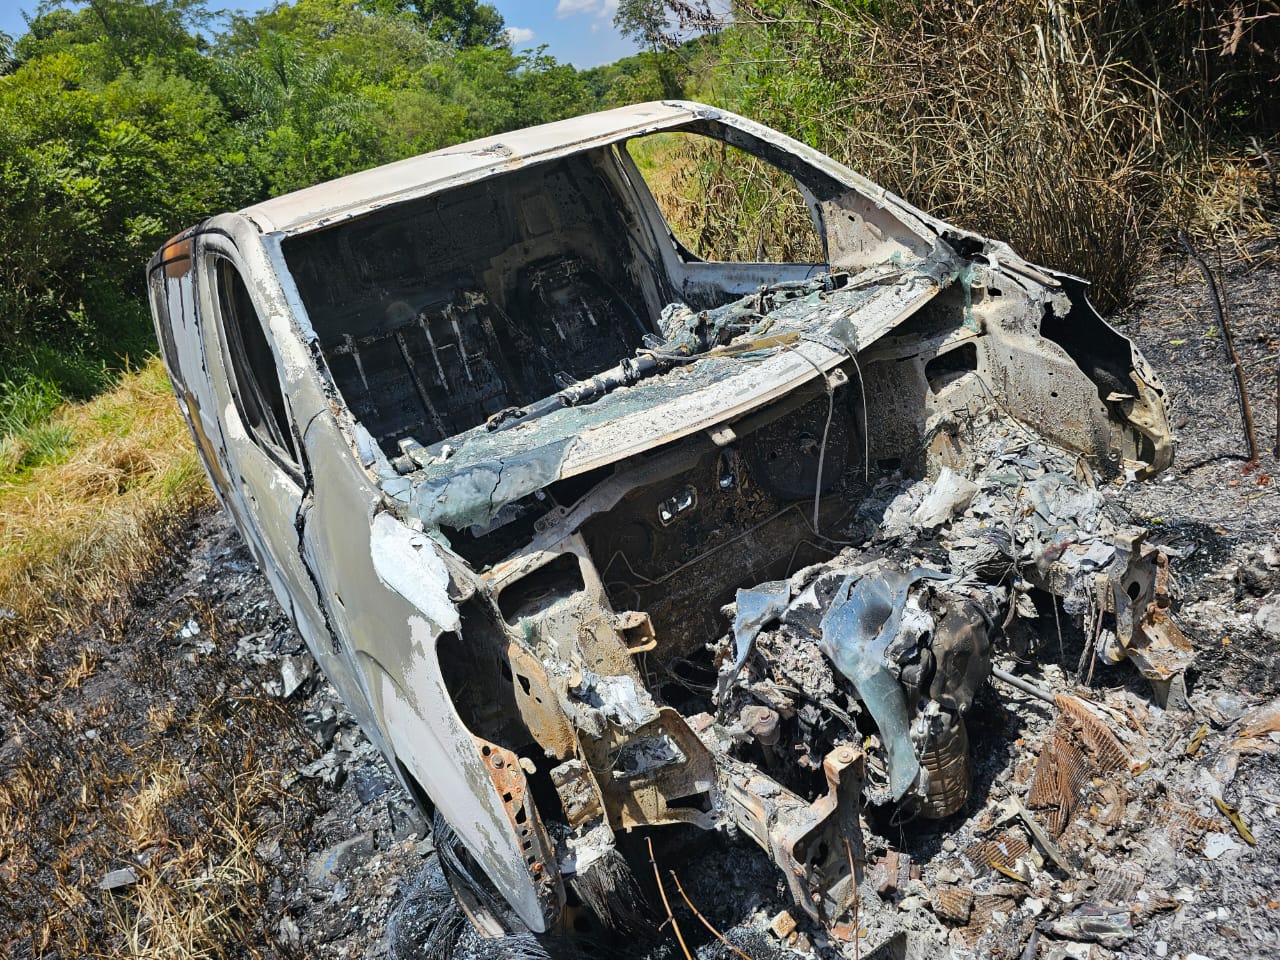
x=726, y=205
x=169, y=765
x=1229, y=198
x=1079, y=132
x=78, y=533
x=191, y=899
x=164, y=762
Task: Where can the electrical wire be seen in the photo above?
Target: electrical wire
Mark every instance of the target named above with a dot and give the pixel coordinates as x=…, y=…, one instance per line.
x=822, y=447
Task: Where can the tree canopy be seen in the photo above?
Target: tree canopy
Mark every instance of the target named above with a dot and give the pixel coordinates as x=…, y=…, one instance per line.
x=124, y=121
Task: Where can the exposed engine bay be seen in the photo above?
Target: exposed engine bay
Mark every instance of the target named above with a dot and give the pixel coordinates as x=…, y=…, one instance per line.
x=775, y=621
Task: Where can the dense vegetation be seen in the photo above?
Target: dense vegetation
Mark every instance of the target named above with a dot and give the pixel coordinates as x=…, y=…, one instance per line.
x=1077, y=130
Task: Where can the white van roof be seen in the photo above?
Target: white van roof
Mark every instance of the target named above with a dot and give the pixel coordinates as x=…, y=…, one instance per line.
x=359, y=193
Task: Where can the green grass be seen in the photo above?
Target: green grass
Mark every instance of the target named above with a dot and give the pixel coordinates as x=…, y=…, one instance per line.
x=87, y=505
x=27, y=438
x=39, y=378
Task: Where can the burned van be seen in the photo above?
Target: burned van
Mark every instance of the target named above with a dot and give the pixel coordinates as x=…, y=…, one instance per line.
x=597, y=535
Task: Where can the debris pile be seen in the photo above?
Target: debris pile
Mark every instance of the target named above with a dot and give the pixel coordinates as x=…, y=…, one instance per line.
x=1004, y=571
x=1086, y=845
x=910, y=617
x=1076, y=820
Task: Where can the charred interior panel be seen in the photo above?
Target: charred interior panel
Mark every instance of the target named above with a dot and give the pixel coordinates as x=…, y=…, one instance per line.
x=681, y=547
x=447, y=310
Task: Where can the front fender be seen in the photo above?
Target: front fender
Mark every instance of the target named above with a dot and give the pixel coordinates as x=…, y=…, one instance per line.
x=477, y=786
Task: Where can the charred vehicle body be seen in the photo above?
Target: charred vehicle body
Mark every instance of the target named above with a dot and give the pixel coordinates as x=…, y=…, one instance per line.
x=594, y=535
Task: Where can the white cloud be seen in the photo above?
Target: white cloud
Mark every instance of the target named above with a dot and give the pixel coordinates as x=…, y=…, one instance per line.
x=603, y=9
x=569, y=8
x=518, y=35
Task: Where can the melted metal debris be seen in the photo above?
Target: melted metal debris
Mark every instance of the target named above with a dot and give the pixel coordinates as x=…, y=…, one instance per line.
x=908, y=629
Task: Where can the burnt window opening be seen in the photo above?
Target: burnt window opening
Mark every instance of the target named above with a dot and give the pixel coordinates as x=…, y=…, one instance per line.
x=256, y=384
x=946, y=368
x=757, y=214
x=436, y=313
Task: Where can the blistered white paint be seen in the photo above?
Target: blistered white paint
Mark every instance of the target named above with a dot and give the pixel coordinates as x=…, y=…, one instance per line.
x=236, y=433
x=419, y=176
x=424, y=730
x=231, y=422
x=407, y=563
x=271, y=246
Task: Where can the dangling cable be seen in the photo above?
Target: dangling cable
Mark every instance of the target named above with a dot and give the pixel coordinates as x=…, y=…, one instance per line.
x=822, y=449
x=866, y=430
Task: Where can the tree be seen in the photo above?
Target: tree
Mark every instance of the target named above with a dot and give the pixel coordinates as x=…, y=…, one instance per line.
x=644, y=21
x=120, y=125
x=462, y=23
x=93, y=176
x=664, y=23
x=548, y=90
x=113, y=35
x=305, y=118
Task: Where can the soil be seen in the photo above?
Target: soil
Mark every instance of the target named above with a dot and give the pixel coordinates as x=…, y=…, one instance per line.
x=340, y=851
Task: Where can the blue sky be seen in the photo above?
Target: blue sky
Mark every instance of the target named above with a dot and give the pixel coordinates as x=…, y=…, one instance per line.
x=578, y=31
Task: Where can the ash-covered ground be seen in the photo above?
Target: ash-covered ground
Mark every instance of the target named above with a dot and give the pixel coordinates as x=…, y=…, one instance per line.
x=1151, y=865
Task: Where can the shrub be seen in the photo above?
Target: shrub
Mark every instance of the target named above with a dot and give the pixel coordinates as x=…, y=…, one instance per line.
x=1067, y=129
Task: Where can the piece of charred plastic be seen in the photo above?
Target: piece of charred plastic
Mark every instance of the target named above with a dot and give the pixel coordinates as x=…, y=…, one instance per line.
x=413, y=455
x=755, y=609
x=857, y=631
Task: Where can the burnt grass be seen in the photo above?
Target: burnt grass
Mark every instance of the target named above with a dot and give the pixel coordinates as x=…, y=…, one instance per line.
x=129, y=746
x=160, y=743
